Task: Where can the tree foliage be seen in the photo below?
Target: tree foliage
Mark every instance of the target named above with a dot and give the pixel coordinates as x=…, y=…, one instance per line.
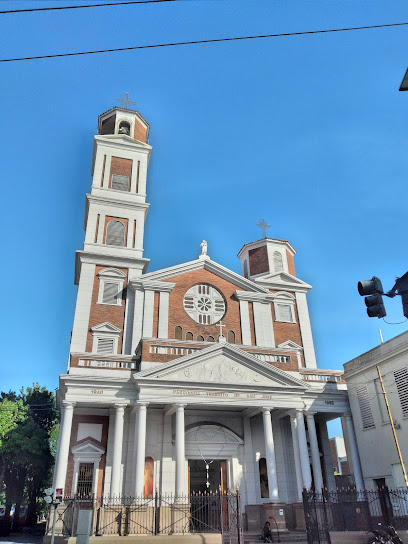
x=28, y=430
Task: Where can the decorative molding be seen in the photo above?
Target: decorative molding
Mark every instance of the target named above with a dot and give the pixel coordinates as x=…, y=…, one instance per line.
x=106, y=327
x=112, y=273
x=151, y=285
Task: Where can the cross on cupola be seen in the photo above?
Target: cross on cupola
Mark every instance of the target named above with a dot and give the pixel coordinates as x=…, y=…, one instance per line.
x=126, y=101
x=263, y=225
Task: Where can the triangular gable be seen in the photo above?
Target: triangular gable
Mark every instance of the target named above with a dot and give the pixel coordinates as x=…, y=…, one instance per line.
x=283, y=280
x=289, y=344
x=221, y=364
x=105, y=327
x=87, y=448
x=206, y=264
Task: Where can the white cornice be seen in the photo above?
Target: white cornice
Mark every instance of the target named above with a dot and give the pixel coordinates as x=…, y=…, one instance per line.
x=254, y=297
x=101, y=259
x=210, y=266
x=264, y=242
x=282, y=281
x=110, y=200
x=151, y=285
x=122, y=141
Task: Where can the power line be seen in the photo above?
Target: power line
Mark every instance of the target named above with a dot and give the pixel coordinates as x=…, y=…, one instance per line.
x=86, y=6
x=195, y=42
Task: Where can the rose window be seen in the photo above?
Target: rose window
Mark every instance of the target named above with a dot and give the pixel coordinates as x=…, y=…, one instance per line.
x=204, y=304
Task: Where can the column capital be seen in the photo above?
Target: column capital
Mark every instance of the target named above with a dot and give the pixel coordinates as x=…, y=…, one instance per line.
x=120, y=407
x=68, y=405
x=347, y=415
x=180, y=405
x=140, y=406
x=266, y=410
x=310, y=414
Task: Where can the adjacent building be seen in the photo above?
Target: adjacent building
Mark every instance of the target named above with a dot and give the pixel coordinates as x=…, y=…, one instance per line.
x=378, y=453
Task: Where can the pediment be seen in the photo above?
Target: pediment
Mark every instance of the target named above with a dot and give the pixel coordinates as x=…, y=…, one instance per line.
x=289, y=344
x=106, y=327
x=112, y=273
x=205, y=264
x=87, y=448
x=222, y=364
x=283, y=280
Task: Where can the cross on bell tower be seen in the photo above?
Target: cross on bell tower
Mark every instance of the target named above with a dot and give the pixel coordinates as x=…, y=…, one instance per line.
x=126, y=101
x=263, y=225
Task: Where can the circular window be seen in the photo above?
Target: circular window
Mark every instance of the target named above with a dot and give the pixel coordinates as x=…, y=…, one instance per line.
x=204, y=304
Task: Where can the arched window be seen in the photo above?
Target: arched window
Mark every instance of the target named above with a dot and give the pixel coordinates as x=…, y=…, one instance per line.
x=148, y=477
x=263, y=478
x=200, y=338
x=246, y=268
x=178, y=332
x=189, y=336
x=210, y=339
x=277, y=261
x=124, y=128
x=231, y=337
x=115, y=234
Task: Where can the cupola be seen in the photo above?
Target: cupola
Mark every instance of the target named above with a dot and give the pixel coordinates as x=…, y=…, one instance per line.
x=267, y=256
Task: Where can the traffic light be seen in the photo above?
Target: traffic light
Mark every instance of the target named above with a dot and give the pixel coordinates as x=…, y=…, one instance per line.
x=48, y=495
x=374, y=302
x=58, y=495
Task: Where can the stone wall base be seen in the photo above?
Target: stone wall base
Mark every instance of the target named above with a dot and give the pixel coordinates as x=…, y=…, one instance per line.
x=275, y=514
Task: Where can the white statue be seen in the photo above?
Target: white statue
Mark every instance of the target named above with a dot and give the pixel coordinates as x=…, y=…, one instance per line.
x=203, y=255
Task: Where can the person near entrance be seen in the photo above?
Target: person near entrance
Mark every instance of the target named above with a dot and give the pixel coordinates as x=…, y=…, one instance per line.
x=266, y=535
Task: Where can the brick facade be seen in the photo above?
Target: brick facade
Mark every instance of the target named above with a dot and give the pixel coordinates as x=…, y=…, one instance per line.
x=121, y=167
x=258, y=260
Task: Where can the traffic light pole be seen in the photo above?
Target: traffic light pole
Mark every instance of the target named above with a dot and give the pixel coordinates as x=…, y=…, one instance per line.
x=54, y=522
x=404, y=472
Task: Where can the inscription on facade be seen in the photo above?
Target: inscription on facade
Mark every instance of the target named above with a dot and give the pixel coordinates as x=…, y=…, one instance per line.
x=223, y=394
x=97, y=391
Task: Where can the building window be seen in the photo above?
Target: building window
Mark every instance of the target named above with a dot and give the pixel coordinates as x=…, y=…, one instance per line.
x=178, y=332
x=204, y=304
x=110, y=293
x=365, y=407
x=277, y=261
x=210, y=339
x=115, y=234
x=189, y=336
x=120, y=183
x=110, y=287
x=263, y=478
x=284, y=312
x=106, y=346
x=401, y=379
x=85, y=480
x=246, y=275
x=124, y=128
x=231, y=337
x=200, y=338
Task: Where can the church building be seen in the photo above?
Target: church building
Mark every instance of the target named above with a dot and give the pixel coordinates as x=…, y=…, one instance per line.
x=192, y=378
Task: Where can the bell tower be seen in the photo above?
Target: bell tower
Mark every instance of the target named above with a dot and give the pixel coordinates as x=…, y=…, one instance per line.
x=115, y=215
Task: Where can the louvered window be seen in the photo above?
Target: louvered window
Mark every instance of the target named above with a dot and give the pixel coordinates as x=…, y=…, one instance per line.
x=105, y=346
x=284, y=312
x=120, y=183
x=115, y=233
x=365, y=407
x=110, y=291
x=277, y=261
x=401, y=379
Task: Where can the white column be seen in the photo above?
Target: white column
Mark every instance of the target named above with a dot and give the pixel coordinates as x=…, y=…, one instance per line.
x=328, y=463
x=137, y=319
x=133, y=176
x=250, y=468
x=304, y=453
x=148, y=314
x=314, y=450
x=306, y=330
x=270, y=455
x=355, y=458
x=128, y=326
x=83, y=308
x=101, y=228
x=63, y=448
x=245, y=326
x=296, y=452
x=117, y=451
x=180, y=450
x=140, y=447
x=163, y=330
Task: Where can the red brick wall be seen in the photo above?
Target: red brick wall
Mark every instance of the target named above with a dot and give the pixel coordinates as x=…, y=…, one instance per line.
x=108, y=125
x=291, y=263
x=258, y=260
x=103, y=312
x=103, y=443
x=155, y=315
x=178, y=316
x=120, y=167
x=287, y=331
x=140, y=132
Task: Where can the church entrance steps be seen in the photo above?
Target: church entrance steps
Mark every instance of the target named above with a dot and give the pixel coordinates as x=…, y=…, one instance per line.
x=197, y=538
x=286, y=537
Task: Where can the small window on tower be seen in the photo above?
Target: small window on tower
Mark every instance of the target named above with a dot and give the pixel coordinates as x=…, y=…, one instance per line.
x=178, y=332
x=110, y=293
x=284, y=313
x=277, y=262
x=105, y=346
x=231, y=337
x=124, y=128
x=200, y=338
x=189, y=336
x=115, y=234
x=120, y=183
x=246, y=275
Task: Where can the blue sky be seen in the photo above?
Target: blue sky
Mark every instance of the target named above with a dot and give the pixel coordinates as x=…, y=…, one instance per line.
x=308, y=132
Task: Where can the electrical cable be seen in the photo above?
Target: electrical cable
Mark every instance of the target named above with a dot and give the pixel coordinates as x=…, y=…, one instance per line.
x=196, y=42
x=397, y=323
x=86, y=6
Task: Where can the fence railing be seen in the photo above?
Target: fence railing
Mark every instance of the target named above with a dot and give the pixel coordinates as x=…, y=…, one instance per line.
x=163, y=513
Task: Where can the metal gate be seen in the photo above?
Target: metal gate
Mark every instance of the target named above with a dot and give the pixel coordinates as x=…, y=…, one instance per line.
x=317, y=525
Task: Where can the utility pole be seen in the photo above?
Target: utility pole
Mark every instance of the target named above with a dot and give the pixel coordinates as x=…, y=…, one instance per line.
x=393, y=427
